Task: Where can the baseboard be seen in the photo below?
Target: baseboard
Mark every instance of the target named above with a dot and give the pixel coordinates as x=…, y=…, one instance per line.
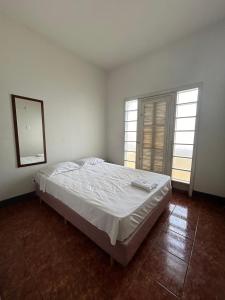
x=180, y=186
x=16, y=199
x=206, y=195
x=198, y=194
x=179, y=190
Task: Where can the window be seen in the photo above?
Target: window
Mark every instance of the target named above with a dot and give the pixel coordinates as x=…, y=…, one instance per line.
x=184, y=134
x=154, y=139
x=131, y=116
x=165, y=127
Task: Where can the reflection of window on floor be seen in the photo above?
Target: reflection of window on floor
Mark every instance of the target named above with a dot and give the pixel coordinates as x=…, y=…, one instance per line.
x=131, y=114
x=184, y=133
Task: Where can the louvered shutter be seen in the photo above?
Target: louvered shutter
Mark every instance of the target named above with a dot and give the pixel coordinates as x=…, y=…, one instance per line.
x=154, y=133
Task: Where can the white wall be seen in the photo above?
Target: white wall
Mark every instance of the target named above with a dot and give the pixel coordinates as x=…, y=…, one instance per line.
x=200, y=58
x=74, y=101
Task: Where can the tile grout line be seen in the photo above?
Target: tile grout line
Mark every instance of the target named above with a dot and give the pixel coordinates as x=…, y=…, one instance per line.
x=178, y=235
x=174, y=255
x=190, y=255
x=185, y=237
x=159, y=283
x=172, y=293
x=181, y=235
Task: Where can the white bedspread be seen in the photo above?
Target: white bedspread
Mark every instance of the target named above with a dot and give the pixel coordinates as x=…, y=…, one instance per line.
x=104, y=196
x=31, y=159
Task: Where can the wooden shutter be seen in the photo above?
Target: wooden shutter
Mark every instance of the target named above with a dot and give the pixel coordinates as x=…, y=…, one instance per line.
x=155, y=133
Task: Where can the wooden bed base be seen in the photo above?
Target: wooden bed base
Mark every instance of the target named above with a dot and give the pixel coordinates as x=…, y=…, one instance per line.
x=122, y=252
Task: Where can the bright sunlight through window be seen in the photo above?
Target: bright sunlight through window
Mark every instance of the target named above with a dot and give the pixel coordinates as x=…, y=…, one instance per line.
x=184, y=134
x=131, y=115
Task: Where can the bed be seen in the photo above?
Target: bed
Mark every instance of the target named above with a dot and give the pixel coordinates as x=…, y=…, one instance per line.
x=101, y=202
x=32, y=159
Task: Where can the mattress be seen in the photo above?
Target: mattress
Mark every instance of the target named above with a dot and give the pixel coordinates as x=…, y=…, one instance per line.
x=103, y=195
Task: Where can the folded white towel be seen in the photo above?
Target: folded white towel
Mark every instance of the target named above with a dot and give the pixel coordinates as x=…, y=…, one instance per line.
x=144, y=184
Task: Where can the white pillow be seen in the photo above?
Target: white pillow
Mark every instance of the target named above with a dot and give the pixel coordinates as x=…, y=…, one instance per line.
x=89, y=161
x=59, y=168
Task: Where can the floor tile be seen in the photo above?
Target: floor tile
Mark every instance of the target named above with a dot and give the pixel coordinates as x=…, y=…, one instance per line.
x=27, y=290
x=53, y=277
x=171, y=207
x=205, y=278
x=165, y=268
x=42, y=258
x=211, y=223
x=14, y=276
x=180, y=225
x=10, y=247
x=143, y=287
x=116, y=279
x=176, y=244
x=213, y=247
x=187, y=213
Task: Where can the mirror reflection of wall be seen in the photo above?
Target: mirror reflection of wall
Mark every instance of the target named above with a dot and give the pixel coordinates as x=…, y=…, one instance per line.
x=30, y=134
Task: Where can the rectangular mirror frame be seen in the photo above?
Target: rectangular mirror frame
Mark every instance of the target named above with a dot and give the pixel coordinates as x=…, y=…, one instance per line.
x=13, y=97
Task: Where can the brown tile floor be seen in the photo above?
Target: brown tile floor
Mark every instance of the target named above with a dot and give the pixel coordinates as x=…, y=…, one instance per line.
x=183, y=256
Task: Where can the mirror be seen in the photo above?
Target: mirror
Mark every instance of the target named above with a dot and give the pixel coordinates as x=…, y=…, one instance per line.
x=28, y=116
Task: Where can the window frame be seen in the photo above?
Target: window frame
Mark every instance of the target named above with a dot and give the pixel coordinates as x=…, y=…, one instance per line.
x=169, y=129
x=199, y=85
x=124, y=130
x=183, y=185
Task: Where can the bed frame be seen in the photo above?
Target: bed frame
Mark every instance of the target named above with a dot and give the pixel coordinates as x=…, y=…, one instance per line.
x=122, y=252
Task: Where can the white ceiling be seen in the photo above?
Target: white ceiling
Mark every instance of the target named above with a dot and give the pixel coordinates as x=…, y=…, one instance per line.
x=112, y=32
